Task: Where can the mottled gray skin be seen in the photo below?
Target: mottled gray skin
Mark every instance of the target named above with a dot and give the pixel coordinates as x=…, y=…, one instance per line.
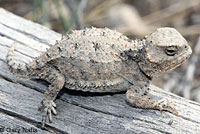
x=103, y=60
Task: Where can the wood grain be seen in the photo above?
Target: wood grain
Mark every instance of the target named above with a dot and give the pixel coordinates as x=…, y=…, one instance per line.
x=78, y=112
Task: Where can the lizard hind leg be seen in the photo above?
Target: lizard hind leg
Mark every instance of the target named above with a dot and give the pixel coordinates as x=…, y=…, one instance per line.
x=148, y=101
x=48, y=106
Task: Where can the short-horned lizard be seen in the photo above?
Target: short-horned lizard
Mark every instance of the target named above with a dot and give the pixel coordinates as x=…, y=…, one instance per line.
x=103, y=60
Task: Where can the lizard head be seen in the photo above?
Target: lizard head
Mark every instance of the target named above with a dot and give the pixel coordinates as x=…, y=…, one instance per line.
x=165, y=50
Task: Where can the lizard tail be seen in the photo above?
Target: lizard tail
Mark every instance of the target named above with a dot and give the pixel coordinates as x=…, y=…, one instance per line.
x=18, y=68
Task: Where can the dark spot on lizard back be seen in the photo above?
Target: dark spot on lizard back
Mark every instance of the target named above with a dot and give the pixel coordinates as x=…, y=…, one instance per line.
x=92, y=61
x=127, y=39
x=76, y=46
x=113, y=46
x=83, y=32
x=95, y=46
x=59, y=49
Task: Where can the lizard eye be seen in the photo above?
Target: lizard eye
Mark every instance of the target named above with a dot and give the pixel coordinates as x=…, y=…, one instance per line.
x=171, y=50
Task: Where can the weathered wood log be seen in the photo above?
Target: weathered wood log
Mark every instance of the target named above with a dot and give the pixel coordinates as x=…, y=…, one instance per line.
x=78, y=112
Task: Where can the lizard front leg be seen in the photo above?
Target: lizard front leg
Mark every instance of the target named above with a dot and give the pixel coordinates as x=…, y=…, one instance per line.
x=57, y=81
x=139, y=96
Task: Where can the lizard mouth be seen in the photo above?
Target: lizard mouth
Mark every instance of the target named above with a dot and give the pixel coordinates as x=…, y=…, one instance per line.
x=177, y=61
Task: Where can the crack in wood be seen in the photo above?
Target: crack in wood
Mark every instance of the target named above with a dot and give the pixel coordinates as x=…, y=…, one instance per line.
x=80, y=113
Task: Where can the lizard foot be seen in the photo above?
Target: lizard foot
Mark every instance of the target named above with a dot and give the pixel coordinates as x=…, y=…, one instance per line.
x=165, y=105
x=47, y=107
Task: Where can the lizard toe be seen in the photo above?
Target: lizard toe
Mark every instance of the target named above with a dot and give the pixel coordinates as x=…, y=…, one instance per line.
x=165, y=105
x=47, y=107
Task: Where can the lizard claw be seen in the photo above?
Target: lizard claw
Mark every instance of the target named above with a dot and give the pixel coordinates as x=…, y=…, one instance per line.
x=47, y=107
x=165, y=105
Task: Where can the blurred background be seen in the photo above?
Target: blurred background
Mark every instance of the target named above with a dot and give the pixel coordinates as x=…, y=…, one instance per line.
x=134, y=18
